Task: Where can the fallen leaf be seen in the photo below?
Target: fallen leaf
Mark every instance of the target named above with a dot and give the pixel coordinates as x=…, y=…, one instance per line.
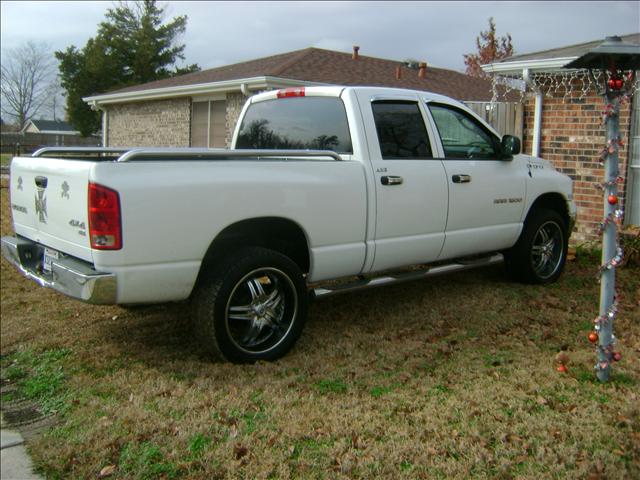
x=239, y=451
x=107, y=471
x=512, y=438
x=562, y=358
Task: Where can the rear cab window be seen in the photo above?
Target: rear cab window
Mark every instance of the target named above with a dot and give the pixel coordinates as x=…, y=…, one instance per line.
x=401, y=130
x=298, y=123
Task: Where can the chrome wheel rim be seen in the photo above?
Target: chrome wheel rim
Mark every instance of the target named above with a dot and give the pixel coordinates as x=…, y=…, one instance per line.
x=261, y=310
x=547, y=250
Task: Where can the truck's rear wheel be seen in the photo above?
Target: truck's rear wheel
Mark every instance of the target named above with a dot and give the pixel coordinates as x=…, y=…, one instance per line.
x=252, y=308
x=541, y=251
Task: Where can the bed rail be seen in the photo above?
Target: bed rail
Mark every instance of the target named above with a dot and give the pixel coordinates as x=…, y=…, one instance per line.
x=155, y=154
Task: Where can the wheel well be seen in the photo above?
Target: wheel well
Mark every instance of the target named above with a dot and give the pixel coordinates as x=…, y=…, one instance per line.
x=279, y=234
x=552, y=201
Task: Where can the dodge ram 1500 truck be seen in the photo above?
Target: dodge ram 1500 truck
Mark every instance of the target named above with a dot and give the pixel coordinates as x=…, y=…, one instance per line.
x=321, y=184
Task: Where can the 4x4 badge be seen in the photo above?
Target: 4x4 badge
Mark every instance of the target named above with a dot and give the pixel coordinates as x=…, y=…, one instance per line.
x=65, y=190
x=41, y=206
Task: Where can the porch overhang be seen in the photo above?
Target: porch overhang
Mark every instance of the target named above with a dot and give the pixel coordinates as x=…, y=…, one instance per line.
x=517, y=68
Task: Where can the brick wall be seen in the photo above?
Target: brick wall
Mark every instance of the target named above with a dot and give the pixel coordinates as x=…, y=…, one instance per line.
x=162, y=123
x=572, y=137
x=235, y=102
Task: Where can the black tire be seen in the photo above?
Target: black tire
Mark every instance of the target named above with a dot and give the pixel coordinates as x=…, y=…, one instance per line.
x=540, y=253
x=253, y=307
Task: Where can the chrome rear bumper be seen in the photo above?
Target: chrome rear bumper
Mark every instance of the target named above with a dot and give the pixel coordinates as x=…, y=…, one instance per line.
x=69, y=276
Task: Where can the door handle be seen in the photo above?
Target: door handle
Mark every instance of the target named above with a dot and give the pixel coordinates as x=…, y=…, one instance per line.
x=391, y=180
x=461, y=178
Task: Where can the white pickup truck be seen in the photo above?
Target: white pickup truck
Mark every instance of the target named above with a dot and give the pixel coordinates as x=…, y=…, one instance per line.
x=341, y=184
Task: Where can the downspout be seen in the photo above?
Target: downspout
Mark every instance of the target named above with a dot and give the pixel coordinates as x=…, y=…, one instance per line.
x=244, y=88
x=105, y=122
x=537, y=116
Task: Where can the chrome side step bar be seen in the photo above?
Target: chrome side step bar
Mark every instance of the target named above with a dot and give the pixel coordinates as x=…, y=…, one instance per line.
x=458, y=266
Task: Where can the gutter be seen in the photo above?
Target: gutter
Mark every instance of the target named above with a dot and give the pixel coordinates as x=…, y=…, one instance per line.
x=105, y=121
x=517, y=67
x=255, y=83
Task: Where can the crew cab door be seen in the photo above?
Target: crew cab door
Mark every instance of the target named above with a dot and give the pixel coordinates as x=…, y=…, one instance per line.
x=486, y=191
x=410, y=185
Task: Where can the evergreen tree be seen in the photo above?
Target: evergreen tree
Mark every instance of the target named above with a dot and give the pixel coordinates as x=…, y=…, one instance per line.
x=132, y=46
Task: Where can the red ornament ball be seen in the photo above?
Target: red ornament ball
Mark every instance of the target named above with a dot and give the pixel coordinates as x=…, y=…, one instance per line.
x=617, y=356
x=618, y=83
x=562, y=369
x=612, y=83
x=612, y=199
x=593, y=337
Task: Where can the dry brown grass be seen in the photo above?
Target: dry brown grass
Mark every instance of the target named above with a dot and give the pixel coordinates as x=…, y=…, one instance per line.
x=452, y=377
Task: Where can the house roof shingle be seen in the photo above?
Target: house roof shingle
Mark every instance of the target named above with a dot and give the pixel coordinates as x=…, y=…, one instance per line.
x=336, y=68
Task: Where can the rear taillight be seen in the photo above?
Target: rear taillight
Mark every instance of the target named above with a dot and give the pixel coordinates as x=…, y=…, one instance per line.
x=105, y=227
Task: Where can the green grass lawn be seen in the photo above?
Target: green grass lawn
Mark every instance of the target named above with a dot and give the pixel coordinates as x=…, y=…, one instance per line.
x=5, y=159
x=452, y=377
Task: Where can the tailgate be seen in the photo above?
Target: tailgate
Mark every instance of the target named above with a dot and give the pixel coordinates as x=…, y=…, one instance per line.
x=49, y=203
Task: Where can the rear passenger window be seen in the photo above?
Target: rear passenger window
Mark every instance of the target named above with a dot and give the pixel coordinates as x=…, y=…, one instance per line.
x=298, y=123
x=401, y=130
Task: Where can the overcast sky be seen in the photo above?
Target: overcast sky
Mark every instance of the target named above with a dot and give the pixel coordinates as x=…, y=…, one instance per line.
x=220, y=33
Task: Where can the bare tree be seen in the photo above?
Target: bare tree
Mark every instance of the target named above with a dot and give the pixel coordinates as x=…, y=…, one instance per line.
x=28, y=81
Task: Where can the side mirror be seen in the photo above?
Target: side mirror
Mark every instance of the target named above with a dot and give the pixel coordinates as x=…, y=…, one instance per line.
x=510, y=145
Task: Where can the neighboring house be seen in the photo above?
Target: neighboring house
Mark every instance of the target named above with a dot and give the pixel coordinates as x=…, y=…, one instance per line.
x=568, y=130
x=40, y=133
x=50, y=127
x=201, y=109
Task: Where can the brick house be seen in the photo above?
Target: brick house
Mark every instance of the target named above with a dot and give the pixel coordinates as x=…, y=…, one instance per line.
x=562, y=123
x=201, y=109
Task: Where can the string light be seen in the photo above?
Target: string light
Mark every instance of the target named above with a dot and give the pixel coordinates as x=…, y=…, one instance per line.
x=569, y=82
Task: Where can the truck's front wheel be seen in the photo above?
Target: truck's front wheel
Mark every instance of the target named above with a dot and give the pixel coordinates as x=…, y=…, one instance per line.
x=540, y=253
x=252, y=308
